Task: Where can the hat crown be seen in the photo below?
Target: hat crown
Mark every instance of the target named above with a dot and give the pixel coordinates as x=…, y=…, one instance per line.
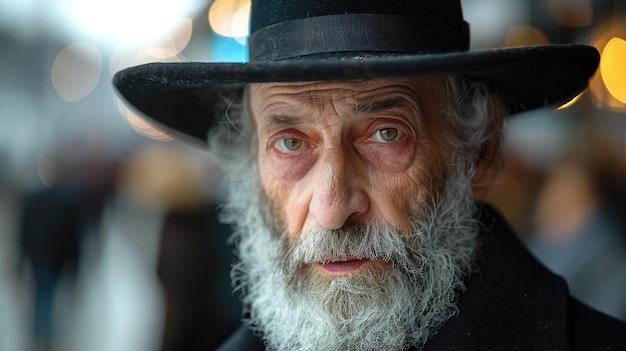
x=268, y=12
x=287, y=29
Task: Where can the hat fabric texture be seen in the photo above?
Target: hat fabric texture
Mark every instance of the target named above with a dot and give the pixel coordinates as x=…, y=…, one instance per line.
x=324, y=40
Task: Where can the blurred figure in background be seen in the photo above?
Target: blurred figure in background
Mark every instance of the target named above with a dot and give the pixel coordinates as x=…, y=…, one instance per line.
x=192, y=260
x=193, y=267
x=54, y=222
x=51, y=230
x=579, y=236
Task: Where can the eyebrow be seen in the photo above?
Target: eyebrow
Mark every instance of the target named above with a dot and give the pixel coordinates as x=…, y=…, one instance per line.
x=360, y=108
x=379, y=106
x=285, y=120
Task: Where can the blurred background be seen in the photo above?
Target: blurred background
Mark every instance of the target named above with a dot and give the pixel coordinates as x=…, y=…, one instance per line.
x=108, y=231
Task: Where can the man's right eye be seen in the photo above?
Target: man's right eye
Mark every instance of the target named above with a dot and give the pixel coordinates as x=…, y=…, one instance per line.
x=289, y=145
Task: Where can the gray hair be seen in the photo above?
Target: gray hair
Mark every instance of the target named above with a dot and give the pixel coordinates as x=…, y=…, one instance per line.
x=476, y=115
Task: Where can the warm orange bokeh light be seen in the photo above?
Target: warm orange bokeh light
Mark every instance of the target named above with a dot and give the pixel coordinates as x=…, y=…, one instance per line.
x=613, y=68
x=159, y=175
x=571, y=102
x=230, y=17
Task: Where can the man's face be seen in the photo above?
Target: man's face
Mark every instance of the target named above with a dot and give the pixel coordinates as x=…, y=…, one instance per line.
x=334, y=154
x=356, y=227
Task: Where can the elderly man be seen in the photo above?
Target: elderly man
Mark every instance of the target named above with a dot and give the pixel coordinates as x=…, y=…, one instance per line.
x=357, y=141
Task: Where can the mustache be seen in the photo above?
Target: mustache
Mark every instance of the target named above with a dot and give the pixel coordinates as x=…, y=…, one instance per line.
x=355, y=241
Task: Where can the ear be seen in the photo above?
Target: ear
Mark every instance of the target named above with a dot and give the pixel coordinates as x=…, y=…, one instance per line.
x=489, y=161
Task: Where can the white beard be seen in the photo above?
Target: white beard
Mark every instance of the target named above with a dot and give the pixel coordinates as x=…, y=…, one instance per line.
x=387, y=307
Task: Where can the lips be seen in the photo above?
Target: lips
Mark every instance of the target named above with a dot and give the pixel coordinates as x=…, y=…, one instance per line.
x=348, y=266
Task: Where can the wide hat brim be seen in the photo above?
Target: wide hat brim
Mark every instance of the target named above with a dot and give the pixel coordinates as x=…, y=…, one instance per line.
x=186, y=98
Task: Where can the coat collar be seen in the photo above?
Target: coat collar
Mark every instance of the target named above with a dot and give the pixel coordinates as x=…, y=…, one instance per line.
x=512, y=303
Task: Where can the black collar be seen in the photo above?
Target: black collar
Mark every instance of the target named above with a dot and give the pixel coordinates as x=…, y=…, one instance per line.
x=512, y=303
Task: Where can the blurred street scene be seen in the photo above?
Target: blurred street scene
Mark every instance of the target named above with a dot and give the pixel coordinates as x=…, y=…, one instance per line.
x=109, y=236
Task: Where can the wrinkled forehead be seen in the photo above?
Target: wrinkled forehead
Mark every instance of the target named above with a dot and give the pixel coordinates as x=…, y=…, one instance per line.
x=422, y=93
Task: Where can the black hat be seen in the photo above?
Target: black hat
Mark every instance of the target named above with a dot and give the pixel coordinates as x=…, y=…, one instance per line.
x=321, y=40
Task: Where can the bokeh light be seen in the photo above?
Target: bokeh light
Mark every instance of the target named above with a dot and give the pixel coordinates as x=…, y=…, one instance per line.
x=46, y=169
x=240, y=24
x=161, y=175
x=230, y=17
x=131, y=20
x=613, y=68
x=76, y=70
x=170, y=45
x=602, y=97
x=571, y=102
x=131, y=54
x=140, y=125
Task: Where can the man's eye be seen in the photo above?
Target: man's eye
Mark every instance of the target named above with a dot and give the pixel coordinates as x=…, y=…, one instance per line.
x=387, y=135
x=288, y=145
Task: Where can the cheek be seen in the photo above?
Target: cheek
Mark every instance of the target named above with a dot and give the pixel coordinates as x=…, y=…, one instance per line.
x=402, y=194
x=389, y=158
x=272, y=181
x=284, y=182
x=283, y=176
x=396, y=197
x=289, y=168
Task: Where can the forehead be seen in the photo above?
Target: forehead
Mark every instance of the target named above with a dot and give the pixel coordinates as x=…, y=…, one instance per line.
x=421, y=92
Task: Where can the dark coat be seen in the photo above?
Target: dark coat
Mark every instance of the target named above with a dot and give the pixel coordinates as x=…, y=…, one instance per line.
x=513, y=303
x=51, y=230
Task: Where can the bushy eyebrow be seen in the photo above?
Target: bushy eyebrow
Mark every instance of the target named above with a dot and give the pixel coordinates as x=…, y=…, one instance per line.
x=284, y=121
x=360, y=108
x=379, y=106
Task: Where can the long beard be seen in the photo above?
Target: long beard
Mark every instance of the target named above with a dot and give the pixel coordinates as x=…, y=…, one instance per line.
x=393, y=305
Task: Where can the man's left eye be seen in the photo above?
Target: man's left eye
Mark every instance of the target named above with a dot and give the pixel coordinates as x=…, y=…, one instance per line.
x=387, y=135
x=289, y=145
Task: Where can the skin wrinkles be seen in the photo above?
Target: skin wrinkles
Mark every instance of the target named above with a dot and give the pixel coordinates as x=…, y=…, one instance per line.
x=342, y=174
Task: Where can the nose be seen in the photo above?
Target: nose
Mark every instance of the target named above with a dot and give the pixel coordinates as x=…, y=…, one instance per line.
x=338, y=190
